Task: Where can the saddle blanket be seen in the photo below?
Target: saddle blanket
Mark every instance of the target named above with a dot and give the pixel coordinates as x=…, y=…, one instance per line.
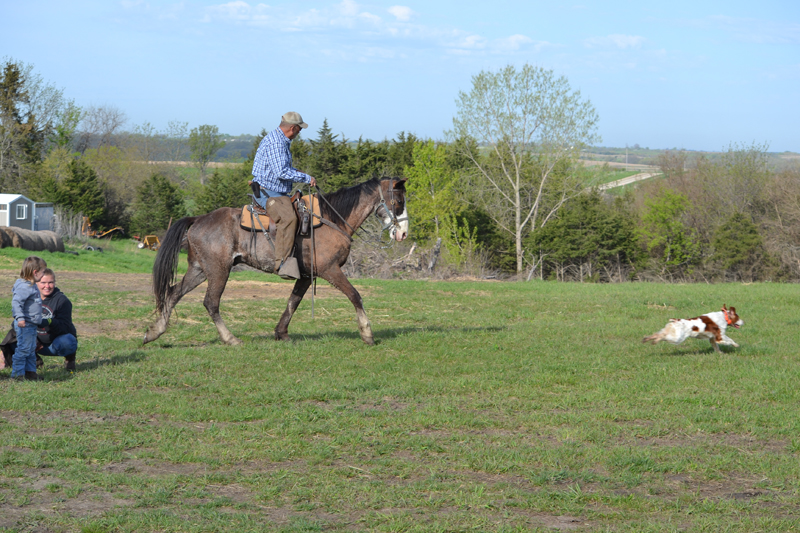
x=248, y=220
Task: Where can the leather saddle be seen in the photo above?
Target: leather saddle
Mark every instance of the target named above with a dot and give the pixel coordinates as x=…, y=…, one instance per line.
x=255, y=217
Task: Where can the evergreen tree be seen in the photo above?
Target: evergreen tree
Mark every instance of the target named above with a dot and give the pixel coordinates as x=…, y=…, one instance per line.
x=301, y=154
x=14, y=133
x=157, y=202
x=225, y=188
x=327, y=158
x=400, y=154
x=588, y=234
x=366, y=160
x=739, y=248
x=81, y=191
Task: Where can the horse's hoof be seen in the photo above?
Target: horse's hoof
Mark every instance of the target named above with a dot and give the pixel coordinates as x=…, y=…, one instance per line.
x=369, y=341
x=234, y=342
x=281, y=336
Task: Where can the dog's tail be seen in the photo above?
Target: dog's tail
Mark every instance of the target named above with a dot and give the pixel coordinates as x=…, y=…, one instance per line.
x=654, y=338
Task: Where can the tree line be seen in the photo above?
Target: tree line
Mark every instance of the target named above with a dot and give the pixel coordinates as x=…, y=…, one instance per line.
x=504, y=192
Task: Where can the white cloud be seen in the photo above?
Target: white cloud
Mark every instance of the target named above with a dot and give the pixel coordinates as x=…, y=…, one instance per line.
x=348, y=8
x=468, y=42
x=513, y=43
x=347, y=26
x=237, y=10
x=615, y=41
x=369, y=17
x=758, y=31
x=401, y=13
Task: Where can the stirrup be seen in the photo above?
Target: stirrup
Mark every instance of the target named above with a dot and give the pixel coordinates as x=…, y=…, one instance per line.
x=289, y=269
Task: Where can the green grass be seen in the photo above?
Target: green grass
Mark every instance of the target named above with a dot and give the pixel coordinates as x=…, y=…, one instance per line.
x=114, y=255
x=601, y=176
x=483, y=406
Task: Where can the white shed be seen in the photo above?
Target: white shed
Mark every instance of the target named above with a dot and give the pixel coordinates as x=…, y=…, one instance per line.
x=17, y=211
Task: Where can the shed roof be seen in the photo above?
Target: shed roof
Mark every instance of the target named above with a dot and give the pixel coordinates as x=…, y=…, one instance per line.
x=8, y=198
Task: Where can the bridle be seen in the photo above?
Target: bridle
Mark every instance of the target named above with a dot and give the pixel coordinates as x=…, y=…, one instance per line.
x=394, y=220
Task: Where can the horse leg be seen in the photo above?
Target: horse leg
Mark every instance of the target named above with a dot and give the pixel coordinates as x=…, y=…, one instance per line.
x=337, y=278
x=214, y=292
x=299, y=290
x=194, y=277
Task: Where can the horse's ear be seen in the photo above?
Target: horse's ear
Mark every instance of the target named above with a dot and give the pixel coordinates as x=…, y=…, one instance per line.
x=399, y=183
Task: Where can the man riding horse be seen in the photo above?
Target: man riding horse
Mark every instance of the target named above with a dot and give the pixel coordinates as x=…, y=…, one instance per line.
x=217, y=241
x=274, y=174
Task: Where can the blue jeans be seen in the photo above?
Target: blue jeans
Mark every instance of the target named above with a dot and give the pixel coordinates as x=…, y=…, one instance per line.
x=266, y=193
x=61, y=346
x=24, y=359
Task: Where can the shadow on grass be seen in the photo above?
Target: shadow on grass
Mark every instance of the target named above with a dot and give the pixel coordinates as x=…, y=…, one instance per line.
x=92, y=364
x=381, y=335
x=699, y=350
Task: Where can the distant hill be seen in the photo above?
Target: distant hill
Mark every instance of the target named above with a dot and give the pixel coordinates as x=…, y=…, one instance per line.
x=236, y=148
x=636, y=157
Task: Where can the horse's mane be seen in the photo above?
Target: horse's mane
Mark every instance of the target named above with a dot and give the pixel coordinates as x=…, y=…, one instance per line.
x=347, y=198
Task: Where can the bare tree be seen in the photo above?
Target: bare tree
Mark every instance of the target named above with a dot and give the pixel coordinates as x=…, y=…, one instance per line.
x=176, y=135
x=146, y=141
x=100, y=125
x=532, y=126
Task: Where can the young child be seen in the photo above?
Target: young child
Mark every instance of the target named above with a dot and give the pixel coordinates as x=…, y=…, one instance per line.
x=26, y=304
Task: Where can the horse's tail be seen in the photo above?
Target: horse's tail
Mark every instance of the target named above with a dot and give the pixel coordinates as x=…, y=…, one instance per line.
x=165, y=269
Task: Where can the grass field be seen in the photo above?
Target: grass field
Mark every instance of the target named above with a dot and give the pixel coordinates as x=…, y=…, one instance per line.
x=484, y=406
x=602, y=176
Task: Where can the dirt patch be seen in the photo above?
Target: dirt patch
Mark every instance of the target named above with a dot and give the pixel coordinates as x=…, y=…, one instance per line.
x=136, y=290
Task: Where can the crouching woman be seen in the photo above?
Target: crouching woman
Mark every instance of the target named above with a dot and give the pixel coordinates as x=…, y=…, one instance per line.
x=56, y=335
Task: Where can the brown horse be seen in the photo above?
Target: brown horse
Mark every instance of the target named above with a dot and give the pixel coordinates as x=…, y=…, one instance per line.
x=216, y=242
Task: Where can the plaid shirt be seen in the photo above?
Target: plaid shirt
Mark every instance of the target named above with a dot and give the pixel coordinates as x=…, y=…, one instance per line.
x=272, y=166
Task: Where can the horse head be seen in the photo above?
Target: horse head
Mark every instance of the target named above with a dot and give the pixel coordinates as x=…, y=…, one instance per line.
x=392, y=207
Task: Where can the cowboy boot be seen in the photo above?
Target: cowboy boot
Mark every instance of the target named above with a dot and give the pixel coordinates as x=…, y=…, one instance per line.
x=69, y=362
x=289, y=268
x=32, y=376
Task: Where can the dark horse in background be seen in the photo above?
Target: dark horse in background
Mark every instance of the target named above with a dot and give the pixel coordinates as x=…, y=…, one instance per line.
x=216, y=243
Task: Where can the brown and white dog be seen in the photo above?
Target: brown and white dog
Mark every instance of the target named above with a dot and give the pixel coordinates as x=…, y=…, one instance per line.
x=711, y=326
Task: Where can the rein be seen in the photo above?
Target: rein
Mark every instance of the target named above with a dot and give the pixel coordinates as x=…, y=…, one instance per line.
x=367, y=238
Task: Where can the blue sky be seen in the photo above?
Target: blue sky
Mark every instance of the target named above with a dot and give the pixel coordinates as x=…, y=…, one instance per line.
x=693, y=75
